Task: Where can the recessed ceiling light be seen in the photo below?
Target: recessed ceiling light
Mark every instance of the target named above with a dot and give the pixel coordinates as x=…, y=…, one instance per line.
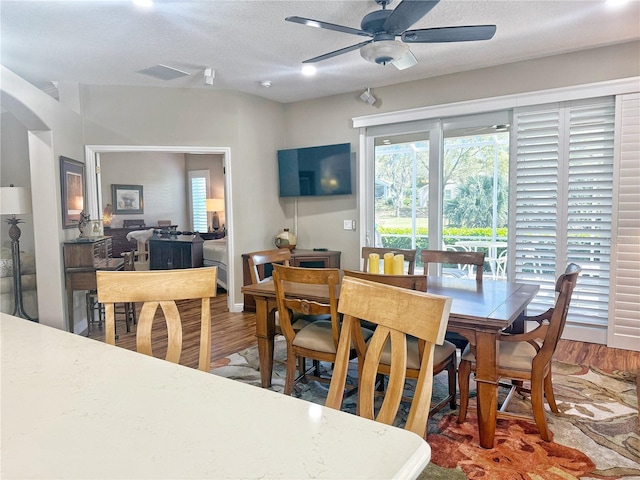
x=308, y=70
x=265, y=83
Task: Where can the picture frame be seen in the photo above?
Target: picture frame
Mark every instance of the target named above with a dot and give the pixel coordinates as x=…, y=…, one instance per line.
x=73, y=191
x=127, y=199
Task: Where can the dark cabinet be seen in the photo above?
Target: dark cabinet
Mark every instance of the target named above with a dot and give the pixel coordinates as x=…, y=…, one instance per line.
x=299, y=258
x=171, y=252
x=119, y=240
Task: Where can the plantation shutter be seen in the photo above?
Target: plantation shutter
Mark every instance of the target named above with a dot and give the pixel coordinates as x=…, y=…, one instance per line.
x=198, y=189
x=624, y=331
x=564, y=192
x=537, y=143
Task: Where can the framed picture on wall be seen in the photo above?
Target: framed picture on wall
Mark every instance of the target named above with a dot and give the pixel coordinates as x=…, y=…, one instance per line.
x=127, y=199
x=72, y=178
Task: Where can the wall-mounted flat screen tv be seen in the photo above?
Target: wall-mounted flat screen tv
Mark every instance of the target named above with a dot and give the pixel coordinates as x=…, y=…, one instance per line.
x=324, y=170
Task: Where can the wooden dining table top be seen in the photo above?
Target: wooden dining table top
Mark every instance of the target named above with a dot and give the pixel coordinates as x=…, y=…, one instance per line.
x=494, y=303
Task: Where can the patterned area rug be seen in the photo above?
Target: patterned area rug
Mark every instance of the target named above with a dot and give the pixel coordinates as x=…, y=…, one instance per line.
x=596, y=434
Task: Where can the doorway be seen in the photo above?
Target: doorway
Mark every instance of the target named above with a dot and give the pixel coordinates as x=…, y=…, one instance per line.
x=94, y=193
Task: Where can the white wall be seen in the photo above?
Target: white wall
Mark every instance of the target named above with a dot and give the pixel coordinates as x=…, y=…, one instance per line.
x=162, y=176
x=14, y=170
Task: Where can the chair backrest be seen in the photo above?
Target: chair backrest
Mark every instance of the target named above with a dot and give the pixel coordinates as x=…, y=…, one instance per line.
x=409, y=256
x=164, y=223
x=160, y=288
x=257, y=259
x=551, y=330
x=412, y=282
x=459, y=258
x=394, y=310
x=305, y=290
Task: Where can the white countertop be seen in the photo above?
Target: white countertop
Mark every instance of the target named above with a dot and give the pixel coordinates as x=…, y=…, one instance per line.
x=73, y=407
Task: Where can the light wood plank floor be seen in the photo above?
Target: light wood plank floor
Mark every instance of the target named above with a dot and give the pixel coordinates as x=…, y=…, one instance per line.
x=233, y=332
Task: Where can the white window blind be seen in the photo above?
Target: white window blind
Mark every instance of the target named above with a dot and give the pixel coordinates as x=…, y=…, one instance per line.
x=199, y=189
x=564, y=188
x=624, y=331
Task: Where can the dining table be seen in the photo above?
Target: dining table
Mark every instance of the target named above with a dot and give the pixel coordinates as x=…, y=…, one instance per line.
x=77, y=408
x=480, y=311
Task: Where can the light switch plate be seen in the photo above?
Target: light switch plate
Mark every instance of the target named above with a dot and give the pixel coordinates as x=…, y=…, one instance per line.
x=349, y=225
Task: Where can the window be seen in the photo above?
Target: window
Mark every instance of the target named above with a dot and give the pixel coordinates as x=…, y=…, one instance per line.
x=564, y=184
x=198, y=192
x=443, y=182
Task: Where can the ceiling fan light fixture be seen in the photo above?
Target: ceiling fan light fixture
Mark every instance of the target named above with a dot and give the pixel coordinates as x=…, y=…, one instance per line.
x=384, y=51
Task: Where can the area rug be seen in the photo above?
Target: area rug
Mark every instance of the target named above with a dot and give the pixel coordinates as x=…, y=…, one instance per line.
x=596, y=433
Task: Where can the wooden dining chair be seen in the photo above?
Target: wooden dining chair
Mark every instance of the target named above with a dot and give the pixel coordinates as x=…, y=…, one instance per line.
x=458, y=258
x=317, y=340
x=445, y=356
x=282, y=256
x=161, y=288
x=409, y=257
x=127, y=309
x=257, y=261
x=527, y=356
x=394, y=310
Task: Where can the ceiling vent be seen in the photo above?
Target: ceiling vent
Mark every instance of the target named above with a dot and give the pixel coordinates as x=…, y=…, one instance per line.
x=163, y=72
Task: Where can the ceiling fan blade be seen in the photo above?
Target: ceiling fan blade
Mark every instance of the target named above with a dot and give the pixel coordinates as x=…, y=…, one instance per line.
x=408, y=60
x=335, y=53
x=327, y=26
x=406, y=14
x=467, y=33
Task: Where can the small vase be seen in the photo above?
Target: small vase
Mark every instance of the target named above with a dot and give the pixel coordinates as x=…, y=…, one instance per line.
x=286, y=239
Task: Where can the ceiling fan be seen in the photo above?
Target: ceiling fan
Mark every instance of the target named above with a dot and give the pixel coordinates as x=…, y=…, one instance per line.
x=383, y=26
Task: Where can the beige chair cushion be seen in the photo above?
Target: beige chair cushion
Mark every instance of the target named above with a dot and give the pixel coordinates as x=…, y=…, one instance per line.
x=318, y=336
x=441, y=353
x=512, y=355
x=300, y=321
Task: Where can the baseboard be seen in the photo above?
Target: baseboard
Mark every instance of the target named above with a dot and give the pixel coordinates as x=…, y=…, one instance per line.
x=585, y=333
x=237, y=307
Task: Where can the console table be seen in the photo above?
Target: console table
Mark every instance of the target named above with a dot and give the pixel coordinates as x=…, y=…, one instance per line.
x=175, y=251
x=82, y=257
x=299, y=258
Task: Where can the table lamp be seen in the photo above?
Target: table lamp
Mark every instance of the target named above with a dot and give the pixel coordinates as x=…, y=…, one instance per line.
x=215, y=205
x=16, y=201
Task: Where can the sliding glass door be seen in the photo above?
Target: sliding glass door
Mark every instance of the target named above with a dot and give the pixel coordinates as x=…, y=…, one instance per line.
x=475, y=193
x=441, y=184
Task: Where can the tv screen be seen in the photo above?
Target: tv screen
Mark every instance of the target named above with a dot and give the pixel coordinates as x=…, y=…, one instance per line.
x=324, y=170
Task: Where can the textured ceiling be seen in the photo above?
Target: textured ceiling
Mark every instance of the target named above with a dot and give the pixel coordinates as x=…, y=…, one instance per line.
x=246, y=41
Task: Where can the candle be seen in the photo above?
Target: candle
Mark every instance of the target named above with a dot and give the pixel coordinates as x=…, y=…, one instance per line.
x=374, y=263
x=388, y=263
x=398, y=265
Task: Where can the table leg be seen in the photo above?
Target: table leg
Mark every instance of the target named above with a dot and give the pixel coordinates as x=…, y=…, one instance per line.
x=487, y=386
x=265, y=331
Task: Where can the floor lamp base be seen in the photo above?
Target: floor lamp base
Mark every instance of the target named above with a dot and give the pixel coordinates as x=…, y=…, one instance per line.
x=18, y=306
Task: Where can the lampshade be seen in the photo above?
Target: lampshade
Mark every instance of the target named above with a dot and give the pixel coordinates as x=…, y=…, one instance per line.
x=15, y=200
x=384, y=51
x=215, y=205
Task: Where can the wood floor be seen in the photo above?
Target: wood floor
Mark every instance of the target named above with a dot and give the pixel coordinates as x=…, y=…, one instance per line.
x=232, y=332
